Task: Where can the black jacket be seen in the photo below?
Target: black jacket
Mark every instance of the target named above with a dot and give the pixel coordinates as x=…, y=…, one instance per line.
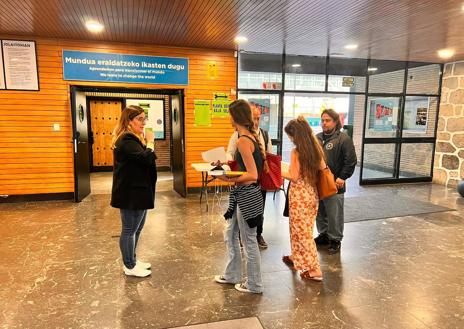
x=134, y=175
x=340, y=153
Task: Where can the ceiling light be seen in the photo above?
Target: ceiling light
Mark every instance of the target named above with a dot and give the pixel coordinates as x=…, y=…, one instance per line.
x=296, y=65
x=351, y=47
x=94, y=26
x=446, y=53
x=372, y=69
x=240, y=39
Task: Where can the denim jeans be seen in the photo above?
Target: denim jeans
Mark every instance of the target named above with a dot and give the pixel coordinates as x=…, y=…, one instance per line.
x=132, y=224
x=233, y=272
x=330, y=219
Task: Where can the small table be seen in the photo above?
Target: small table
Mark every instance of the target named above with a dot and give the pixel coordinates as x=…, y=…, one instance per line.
x=205, y=168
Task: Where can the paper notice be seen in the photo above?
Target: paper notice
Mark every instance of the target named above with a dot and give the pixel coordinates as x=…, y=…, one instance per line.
x=214, y=155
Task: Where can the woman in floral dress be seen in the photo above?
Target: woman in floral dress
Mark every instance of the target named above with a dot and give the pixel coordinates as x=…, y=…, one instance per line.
x=307, y=158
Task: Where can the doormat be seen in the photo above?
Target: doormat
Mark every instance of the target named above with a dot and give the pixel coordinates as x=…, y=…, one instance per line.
x=248, y=323
x=382, y=206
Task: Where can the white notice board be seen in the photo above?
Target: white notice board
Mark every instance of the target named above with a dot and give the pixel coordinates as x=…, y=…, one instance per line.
x=154, y=111
x=20, y=65
x=2, y=76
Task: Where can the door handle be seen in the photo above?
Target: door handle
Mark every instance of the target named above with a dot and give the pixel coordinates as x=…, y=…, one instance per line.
x=75, y=145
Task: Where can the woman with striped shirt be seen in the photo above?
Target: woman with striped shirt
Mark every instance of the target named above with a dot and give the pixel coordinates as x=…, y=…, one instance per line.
x=245, y=204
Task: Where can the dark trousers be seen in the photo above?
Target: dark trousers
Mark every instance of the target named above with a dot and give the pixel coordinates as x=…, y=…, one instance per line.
x=330, y=218
x=259, y=228
x=132, y=224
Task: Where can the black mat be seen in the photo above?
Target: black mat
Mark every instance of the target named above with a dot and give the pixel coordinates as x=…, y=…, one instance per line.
x=381, y=206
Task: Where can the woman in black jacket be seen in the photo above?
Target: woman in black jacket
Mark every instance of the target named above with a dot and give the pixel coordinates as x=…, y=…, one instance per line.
x=134, y=181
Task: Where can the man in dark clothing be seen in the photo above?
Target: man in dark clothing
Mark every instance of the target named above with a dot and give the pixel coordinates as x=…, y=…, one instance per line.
x=341, y=159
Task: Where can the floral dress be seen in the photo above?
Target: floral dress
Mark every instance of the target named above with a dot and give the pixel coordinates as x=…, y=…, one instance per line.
x=303, y=206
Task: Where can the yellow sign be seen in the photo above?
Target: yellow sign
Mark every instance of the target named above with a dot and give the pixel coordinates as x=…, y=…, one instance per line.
x=221, y=103
x=212, y=70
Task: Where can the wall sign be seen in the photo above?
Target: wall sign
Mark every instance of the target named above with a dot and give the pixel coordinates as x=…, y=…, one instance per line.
x=19, y=65
x=2, y=75
x=348, y=82
x=202, y=112
x=221, y=103
x=90, y=66
x=154, y=111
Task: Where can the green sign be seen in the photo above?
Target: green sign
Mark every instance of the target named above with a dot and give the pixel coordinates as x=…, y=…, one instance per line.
x=221, y=103
x=202, y=112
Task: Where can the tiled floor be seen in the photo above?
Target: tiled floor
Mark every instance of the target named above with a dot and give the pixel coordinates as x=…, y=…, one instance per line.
x=60, y=268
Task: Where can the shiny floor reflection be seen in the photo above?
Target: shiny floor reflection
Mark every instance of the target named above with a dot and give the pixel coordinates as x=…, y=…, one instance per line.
x=60, y=268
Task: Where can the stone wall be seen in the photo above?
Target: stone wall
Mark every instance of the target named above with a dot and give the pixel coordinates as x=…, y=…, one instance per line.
x=449, y=155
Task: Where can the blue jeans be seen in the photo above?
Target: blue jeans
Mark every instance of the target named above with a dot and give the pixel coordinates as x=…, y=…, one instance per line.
x=233, y=272
x=132, y=224
x=330, y=219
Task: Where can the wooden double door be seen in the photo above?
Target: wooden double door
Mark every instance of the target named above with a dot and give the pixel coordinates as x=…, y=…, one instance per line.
x=104, y=116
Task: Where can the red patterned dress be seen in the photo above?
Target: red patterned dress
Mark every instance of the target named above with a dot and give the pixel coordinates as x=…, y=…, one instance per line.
x=303, y=206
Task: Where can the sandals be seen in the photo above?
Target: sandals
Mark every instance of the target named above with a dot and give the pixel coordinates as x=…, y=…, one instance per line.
x=306, y=275
x=288, y=261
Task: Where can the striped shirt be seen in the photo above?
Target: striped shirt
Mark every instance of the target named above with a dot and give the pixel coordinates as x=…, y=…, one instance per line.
x=250, y=201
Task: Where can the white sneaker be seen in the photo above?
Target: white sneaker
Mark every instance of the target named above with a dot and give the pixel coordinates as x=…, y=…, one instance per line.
x=143, y=265
x=136, y=271
x=243, y=288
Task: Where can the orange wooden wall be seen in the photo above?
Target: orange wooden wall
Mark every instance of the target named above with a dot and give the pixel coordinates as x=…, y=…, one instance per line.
x=35, y=159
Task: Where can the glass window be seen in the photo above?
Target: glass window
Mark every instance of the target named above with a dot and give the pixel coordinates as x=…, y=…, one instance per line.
x=386, y=77
x=423, y=78
x=379, y=161
x=305, y=73
x=269, y=106
x=311, y=105
x=382, y=117
x=347, y=75
x=259, y=71
x=416, y=160
x=420, y=116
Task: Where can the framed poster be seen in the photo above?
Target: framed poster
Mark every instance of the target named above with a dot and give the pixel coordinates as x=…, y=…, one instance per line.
x=154, y=111
x=416, y=113
x=383, y=114
x=264, y=106
x=2, y=75
x=20, y=65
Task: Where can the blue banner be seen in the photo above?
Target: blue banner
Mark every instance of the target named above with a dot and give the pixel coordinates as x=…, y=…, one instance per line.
x=89, y=66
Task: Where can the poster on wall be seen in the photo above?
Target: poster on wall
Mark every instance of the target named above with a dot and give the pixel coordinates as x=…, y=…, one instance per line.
x=416, y=112
x=154, y=111
x=221, y=103
x=264, y=106
x=2, y=76
x=314, y=122
x=383, y=114
x=20, y=65
x=202, y=112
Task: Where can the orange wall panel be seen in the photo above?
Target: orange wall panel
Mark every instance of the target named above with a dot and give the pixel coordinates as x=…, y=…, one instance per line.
x=35, y=159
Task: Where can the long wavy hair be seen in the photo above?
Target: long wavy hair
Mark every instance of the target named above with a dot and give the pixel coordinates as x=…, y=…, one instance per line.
x=308, y=148
x=240, y=110
x=124, y=127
